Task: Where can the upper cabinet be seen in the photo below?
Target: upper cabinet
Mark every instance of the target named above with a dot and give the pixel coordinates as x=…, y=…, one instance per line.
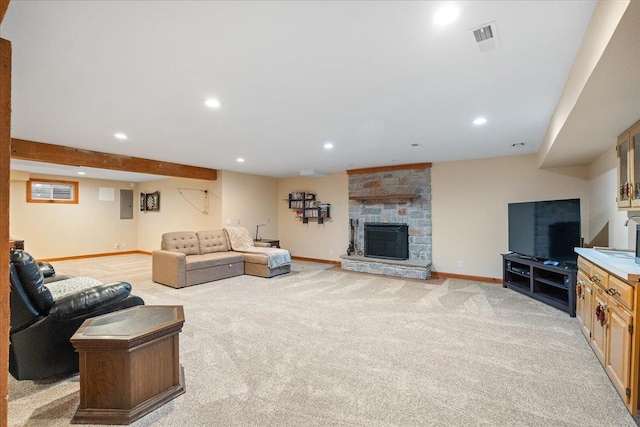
x=628, y=152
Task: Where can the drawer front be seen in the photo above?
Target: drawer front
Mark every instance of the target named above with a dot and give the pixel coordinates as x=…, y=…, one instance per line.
x=599, y=276
x=620, y=291
x=584, y=266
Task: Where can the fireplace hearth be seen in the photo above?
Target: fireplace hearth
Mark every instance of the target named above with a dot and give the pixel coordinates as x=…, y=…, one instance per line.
x=386, y=241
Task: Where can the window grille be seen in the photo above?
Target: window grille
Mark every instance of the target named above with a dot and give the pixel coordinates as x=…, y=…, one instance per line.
x=47, y=191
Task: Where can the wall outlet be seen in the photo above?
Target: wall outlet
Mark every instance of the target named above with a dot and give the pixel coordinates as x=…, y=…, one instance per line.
x=124, y=245
x=228, y=222
x=117, y=246
x=460, y=264
x=330, y=251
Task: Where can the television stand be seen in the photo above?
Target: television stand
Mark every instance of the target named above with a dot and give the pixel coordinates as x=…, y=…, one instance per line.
x=555, y=286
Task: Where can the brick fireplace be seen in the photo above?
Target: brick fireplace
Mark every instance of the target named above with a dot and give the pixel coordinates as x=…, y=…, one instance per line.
x=392, y=195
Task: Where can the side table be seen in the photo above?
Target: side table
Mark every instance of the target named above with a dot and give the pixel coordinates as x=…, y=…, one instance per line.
x=129, y=363
x=275, y=243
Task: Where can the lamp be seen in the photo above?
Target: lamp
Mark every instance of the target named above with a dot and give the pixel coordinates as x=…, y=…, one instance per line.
x=257, y=228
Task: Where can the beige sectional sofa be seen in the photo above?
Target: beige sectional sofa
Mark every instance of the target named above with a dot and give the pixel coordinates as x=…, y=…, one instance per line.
x=189, y=258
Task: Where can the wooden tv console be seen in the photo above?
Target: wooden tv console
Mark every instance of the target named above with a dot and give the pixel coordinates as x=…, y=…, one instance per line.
x=553, y=285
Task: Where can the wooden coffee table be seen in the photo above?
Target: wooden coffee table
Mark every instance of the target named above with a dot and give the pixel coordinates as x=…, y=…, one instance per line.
x=129, y=363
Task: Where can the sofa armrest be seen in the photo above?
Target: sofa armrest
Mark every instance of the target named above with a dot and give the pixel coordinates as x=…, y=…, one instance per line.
x=89, y=300
x=46, y=269
x=169, y=268
x=261, y=244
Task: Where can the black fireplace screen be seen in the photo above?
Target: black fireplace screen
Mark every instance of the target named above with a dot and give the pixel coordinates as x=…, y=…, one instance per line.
x=390, y=241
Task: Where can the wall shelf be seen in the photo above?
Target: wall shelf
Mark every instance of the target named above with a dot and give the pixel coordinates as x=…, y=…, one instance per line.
x=386, y=197
x=307, y=207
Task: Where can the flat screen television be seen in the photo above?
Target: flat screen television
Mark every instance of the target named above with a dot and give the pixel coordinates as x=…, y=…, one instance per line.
x=545, y=230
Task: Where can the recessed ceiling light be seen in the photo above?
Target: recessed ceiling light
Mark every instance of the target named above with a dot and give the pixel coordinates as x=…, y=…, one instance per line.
x=240, y=160
x=480, y=121
x=328, y=146
x=121, y=136
x=82, y=173
x=212, y=103
x=447, y=13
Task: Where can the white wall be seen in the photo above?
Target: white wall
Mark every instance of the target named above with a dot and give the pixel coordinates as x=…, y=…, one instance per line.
x=469, y=211
x=327, y=241
x=245, y=200
x=177, y=213
x=604, y=22
x=604, y=213
x=93, y=226
x=249, y=200
x=52, y=230
x=469, y=207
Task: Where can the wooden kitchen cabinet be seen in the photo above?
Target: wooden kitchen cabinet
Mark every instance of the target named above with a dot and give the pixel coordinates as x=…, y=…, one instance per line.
x=598, y=339
x=618, y=347
x=584, y=298
x=628, y=154
x=605, y=308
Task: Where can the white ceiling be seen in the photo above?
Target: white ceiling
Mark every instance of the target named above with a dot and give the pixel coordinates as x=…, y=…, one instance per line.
x=372, y=77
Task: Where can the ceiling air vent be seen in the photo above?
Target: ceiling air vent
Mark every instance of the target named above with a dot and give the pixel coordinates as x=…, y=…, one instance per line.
x=482, y=34
x=486, y=37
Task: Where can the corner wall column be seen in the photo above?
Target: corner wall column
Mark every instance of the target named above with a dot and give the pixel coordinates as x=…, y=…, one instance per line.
x=5, y=156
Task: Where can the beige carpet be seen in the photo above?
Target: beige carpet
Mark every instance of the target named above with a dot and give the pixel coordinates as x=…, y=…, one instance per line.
x=324, y=347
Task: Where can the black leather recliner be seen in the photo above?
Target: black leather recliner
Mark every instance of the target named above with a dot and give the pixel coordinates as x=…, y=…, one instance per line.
x=41, y=327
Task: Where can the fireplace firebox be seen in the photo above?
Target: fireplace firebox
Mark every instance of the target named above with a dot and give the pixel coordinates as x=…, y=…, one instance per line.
x=389, y=241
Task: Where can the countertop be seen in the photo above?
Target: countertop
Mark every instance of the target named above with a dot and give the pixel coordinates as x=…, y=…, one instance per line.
x=619, y=263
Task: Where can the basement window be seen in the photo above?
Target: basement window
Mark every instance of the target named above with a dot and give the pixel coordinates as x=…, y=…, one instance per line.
x=49, y=191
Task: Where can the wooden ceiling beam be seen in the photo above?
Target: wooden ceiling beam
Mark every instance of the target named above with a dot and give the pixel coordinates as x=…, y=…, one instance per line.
x=4, y=5
x=389, y=168
x=59, y=154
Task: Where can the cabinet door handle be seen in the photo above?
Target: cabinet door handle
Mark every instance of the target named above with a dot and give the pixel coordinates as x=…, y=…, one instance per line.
x=601, y=314
x=594, y=279
x=579, y=290
x=612, y=291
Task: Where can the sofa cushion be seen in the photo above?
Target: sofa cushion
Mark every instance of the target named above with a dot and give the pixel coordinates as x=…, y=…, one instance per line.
x=197, y=262
x=90, y=300
x=62, y=288
x=212, y=241
x=255, y=258
x=185, y=242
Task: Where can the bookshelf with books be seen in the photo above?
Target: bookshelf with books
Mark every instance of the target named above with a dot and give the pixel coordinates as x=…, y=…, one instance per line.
x=306, y=207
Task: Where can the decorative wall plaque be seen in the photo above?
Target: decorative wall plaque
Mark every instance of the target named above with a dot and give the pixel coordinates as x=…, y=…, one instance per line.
x=150, y=201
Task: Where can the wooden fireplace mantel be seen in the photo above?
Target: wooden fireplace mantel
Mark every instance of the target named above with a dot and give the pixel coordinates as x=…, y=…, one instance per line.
x=386, y=197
